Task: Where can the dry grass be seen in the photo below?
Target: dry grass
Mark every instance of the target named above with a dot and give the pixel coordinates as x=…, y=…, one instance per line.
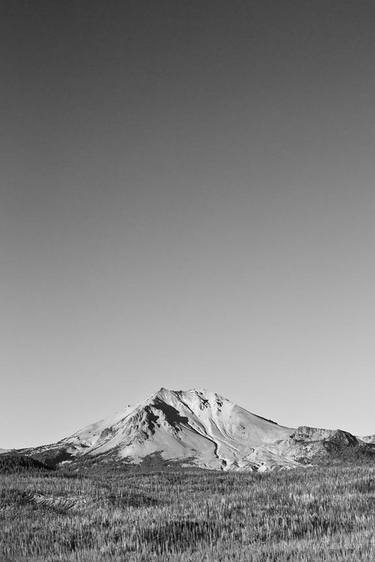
x=311, y=514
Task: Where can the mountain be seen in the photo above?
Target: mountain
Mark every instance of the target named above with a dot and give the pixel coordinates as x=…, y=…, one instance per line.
x=197, y=428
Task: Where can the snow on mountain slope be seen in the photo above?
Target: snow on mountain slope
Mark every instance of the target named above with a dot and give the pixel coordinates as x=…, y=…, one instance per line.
x=198, y=425
x=200, y=428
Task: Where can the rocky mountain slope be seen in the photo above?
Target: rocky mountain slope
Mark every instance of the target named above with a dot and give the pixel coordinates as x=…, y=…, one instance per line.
x=199, y=428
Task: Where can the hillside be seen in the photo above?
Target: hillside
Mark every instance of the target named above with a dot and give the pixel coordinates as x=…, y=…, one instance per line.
x=199, y=428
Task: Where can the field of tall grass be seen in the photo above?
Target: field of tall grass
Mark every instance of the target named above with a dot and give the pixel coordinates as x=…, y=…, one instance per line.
x=325, y=513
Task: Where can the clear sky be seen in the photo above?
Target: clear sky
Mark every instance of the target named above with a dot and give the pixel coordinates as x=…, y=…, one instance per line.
x=187, y=199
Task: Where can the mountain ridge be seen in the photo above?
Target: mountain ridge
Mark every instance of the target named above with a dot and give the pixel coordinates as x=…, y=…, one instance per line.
x=201, y=428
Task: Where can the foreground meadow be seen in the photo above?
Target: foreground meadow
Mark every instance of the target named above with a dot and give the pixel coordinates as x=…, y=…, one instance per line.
x=306, y=514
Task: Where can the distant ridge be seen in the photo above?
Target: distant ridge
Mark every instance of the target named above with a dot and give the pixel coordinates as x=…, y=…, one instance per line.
x=199, y=428
x=13, y=462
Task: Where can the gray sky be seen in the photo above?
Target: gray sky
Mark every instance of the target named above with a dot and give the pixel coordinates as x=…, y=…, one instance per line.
x=187, y=199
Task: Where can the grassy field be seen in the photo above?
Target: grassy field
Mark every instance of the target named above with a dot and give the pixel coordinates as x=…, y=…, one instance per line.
x=305, y=514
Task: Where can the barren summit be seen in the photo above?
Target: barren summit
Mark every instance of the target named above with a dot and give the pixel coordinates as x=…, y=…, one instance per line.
x=200, y=428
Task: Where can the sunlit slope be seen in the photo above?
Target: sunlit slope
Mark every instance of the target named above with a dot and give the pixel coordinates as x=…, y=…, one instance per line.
x=198, y=425
x=201, y=428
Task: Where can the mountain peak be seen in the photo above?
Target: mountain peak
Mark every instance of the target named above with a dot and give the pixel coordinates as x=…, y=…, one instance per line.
x=164, y=392
x=202, y=428
x=195, y=424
